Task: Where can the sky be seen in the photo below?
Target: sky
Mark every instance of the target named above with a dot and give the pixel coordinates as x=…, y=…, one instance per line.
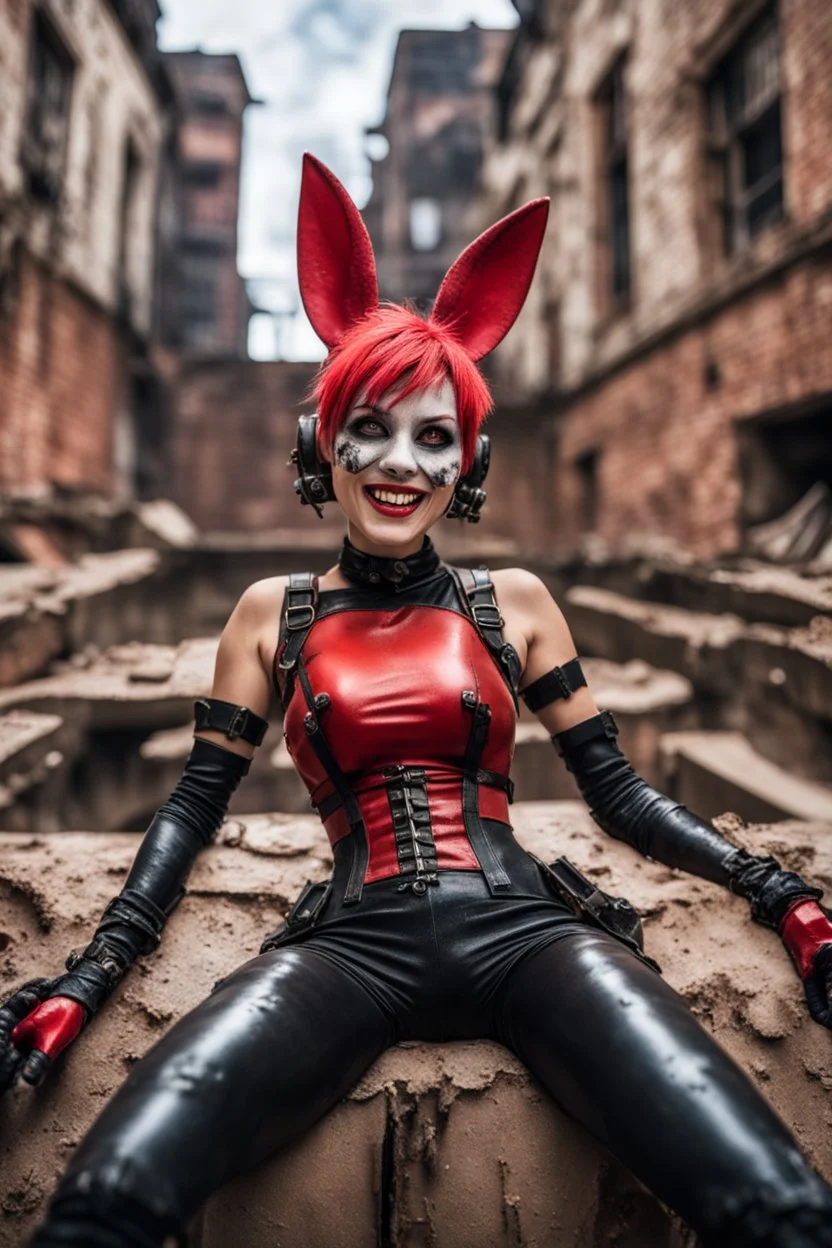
x=321, y=69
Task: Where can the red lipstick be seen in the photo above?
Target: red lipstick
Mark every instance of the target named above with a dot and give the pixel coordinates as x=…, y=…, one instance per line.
x=394, y=510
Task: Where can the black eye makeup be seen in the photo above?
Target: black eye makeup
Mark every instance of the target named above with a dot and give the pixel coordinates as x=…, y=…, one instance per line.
x=369, y=426
x=435, y=437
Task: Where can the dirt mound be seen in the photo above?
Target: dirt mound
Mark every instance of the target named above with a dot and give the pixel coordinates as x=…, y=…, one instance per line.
x=451, y=1144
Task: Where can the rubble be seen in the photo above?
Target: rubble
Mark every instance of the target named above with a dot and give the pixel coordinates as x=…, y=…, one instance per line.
x=803, y=533
x=128, y=686
x=714, y=771
x=453, y=1142
x=51, y=611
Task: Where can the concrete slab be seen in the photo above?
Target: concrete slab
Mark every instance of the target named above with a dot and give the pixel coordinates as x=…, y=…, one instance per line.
x=715, y=771
x=129, y=686
x=613, y=626
x=719, y=654
x=51, y=611
x=476, y=1152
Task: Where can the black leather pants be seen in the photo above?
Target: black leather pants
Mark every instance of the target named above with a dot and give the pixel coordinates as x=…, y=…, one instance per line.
x=284, y=1038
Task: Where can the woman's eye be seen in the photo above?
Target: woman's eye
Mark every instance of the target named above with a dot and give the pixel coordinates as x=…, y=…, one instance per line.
x=368, y=425
x=435, y=437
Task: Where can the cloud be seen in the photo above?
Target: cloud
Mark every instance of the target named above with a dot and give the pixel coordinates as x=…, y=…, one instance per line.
x=322, y=68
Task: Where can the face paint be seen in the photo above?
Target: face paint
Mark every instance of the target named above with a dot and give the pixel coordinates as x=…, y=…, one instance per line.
x=403, y=441
x=395, y=465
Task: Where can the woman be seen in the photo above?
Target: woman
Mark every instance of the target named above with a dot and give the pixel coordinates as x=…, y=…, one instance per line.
x=398, y=677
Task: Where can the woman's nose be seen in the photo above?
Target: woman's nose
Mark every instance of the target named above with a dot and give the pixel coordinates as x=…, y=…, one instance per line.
x=398, y=460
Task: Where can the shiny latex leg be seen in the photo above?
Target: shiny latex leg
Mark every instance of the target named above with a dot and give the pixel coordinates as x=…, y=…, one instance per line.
x=253, y=1067
x=619, y=1050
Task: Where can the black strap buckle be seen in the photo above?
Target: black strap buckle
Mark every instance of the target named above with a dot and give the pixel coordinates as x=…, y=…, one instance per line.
x=305, y=610
x=487, y=615
x=98, y=951
x=238, y=723
x=562, y=683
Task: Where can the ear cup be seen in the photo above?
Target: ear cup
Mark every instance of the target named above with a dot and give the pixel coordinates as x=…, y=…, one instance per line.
x=469, y=496
x=314, y=485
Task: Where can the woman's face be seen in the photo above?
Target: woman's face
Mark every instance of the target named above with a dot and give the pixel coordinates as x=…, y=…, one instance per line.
x=395, y=466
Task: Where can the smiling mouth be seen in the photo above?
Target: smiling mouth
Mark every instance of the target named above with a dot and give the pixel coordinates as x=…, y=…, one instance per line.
x=392, y=501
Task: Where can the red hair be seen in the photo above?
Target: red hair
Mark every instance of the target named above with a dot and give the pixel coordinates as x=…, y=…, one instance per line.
x=378, y=351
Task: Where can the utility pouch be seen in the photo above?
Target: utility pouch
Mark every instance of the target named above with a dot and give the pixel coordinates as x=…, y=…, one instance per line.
x=614, y=915
x=302, y=917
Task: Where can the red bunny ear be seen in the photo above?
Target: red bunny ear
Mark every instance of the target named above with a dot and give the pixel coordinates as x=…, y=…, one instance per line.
x=484, y=290
x=336, y=266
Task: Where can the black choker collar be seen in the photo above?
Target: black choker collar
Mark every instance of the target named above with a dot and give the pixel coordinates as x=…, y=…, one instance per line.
x=384, y=573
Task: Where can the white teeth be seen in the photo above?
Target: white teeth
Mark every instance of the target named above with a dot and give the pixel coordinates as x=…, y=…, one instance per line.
x=387, y=496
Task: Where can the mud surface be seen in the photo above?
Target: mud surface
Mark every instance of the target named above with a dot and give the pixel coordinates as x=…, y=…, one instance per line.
x=448, y=1144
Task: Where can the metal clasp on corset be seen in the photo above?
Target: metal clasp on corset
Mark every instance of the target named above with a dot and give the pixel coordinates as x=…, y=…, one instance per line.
x=407, y=792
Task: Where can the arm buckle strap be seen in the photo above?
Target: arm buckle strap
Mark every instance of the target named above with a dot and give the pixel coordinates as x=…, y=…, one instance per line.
x=232, y=721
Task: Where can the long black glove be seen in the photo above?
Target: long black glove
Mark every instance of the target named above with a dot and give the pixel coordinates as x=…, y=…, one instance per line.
x=43, y=1017
x=626, y=807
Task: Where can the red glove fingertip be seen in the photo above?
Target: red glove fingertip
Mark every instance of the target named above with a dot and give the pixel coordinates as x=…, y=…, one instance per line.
x=50, y=1027
x=804, y=930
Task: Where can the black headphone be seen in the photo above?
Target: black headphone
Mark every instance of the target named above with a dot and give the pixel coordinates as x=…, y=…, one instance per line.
x=314, y=485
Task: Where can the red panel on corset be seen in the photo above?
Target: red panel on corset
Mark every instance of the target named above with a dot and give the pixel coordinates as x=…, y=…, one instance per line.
x=395, y=679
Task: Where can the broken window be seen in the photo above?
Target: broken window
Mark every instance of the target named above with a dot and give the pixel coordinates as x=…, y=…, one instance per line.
x=129, y=190
x=744, y=121
x=204, y=174
x=209, y=104
x=614, y=216
x=198, y=299
x=47, y=111
x=586, y=467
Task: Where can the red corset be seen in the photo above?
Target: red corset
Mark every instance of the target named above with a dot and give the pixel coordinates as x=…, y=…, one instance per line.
x=395, y=721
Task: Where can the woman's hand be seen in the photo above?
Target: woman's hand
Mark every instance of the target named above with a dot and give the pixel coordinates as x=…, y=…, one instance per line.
x=34, y=1029
x=806, y=931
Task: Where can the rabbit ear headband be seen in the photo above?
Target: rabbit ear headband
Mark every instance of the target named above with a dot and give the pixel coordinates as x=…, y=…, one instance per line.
x=480, y=296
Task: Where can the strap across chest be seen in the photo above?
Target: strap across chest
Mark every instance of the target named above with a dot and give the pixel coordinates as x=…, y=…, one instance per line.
x=475, y=593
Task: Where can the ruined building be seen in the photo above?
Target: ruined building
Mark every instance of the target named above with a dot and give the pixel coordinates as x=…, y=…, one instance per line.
x=83, y=101
x=672, y=364
x=440, y=108
x=203, y=305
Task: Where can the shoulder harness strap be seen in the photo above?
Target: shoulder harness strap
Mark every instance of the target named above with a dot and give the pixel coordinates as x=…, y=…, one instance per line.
x=300, y=603
x=477, y=596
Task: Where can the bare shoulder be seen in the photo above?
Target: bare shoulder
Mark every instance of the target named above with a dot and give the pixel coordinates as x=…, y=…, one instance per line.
x=519, y=585
x=262, y=598
x=255, y=621
x=526, y=604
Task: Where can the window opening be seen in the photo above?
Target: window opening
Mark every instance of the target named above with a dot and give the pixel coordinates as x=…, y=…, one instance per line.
x=615, y=194
x=47, y=111
x=745, y=124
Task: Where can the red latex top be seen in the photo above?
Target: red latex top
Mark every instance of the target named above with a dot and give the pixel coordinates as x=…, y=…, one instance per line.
x=479, y=299
x=395, y=678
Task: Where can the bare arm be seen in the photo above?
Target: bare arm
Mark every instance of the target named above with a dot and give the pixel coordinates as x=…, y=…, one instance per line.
x=242, y=671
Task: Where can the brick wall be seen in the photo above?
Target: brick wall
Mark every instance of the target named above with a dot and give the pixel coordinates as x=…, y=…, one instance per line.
x=707, y=340
x=62, y=382
x=666, y=426
x=235, y=426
